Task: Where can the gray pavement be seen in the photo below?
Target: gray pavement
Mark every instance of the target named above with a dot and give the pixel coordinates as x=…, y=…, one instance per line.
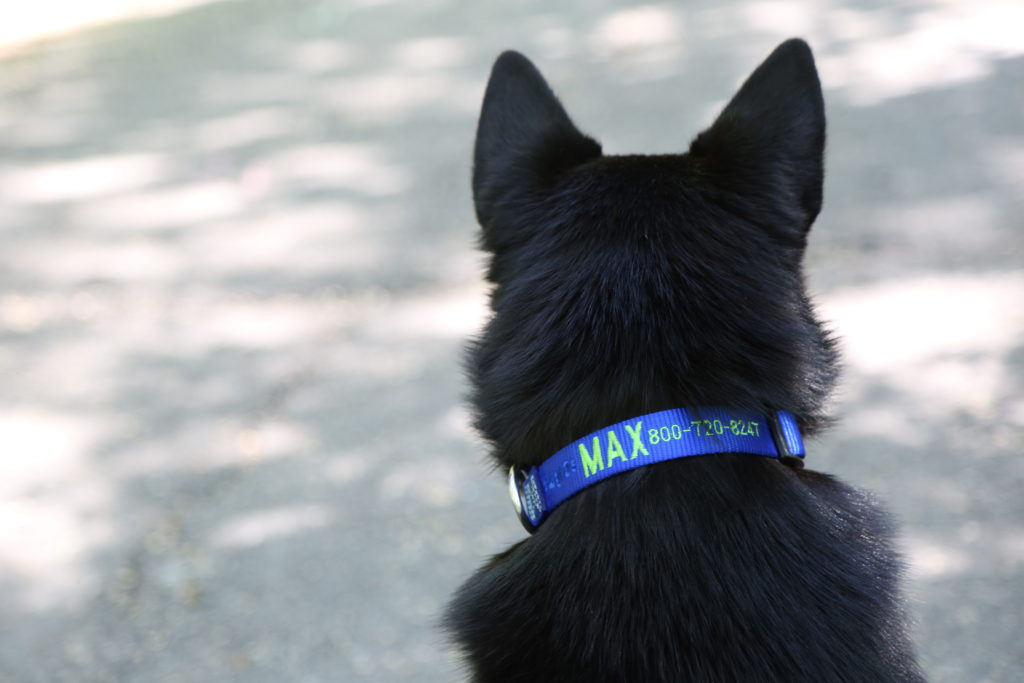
x=237, y=269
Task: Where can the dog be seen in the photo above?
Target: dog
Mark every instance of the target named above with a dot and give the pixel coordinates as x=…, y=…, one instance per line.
x=647, y=302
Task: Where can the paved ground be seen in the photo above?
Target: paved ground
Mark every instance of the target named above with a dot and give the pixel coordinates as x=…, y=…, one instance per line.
x=237, y=267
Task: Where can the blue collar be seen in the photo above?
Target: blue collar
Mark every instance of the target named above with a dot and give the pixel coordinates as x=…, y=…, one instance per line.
x=645, y=440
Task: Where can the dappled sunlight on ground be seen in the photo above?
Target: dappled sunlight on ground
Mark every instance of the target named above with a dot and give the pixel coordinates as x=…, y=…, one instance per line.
x=237, y=269
x=944, y=342
x=80, y=179
x=43, y=18
x=256, y=528
x=949, y=43
x=54, y=507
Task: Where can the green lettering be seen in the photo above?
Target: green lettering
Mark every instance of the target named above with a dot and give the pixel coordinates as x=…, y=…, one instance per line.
x=592, y=465
x=638, y=443
x=615, y=449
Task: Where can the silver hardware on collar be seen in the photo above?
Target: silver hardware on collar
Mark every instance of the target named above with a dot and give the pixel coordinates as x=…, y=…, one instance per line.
x=515, y=492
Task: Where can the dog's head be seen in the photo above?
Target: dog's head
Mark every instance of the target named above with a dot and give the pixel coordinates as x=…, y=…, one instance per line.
x=625, y=284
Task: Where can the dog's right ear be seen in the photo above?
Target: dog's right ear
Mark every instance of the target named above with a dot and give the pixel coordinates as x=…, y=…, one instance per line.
x=769, y=140
x=524, y=140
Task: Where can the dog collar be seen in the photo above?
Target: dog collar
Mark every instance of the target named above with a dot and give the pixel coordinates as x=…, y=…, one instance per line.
x=645, y=440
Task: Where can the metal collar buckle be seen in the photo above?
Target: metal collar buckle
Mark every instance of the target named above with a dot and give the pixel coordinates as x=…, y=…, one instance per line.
x=523, y=504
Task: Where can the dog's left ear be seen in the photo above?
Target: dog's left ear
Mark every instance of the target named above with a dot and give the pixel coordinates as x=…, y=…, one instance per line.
x=769, y=141
x=524, y=140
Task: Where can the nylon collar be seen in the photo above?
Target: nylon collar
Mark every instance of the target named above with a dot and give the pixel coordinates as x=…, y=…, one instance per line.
x=645, y=440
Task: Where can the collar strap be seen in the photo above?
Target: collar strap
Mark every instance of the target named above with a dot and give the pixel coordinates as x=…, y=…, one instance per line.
x=645, y=440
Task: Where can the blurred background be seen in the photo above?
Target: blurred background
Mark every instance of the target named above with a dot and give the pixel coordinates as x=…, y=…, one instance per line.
x=237, y=268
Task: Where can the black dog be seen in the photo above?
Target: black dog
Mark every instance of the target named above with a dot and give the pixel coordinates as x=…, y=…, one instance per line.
x=632, y=284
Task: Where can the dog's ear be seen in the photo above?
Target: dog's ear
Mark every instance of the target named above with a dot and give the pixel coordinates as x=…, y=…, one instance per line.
x=524, y=140
x=769, y=141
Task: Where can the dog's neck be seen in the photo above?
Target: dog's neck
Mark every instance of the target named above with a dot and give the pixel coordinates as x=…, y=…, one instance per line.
x=558, y=393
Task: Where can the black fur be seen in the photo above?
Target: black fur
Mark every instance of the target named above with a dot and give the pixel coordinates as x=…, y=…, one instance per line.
x=626, y=285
